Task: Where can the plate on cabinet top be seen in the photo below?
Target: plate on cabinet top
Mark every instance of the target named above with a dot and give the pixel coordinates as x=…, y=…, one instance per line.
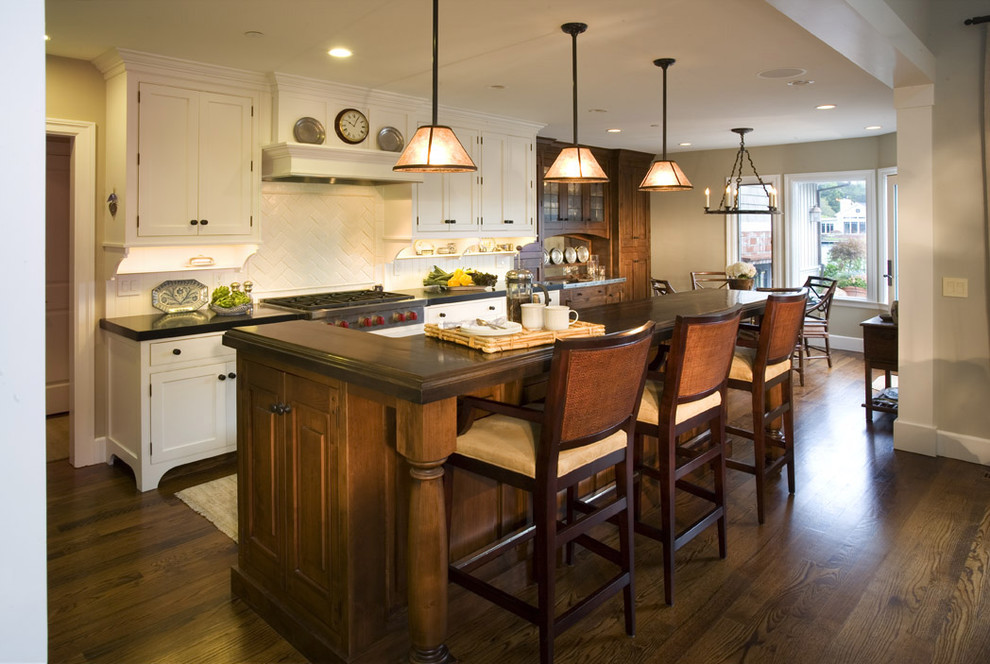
x=546, y=256
x=556, y=257
x=390, y=140
x=309, y=130
x=179, y=295
x=582, y=253
x=570, y=255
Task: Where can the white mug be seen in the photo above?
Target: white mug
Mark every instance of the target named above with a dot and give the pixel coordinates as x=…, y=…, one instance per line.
x=532, y=315
x=558, y=317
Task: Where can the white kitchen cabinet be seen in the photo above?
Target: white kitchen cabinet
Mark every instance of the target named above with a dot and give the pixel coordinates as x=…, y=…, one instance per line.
x=195, y=171
x=487, y=308
x=508, y=193
x=448, y=203
x=170, y=402
x=183, y=154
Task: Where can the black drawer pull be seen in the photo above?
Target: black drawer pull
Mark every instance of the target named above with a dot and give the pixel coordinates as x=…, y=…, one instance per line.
x=176, y=351
x=203, y=222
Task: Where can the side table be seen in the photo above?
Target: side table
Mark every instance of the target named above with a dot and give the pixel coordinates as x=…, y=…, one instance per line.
x=879, y=352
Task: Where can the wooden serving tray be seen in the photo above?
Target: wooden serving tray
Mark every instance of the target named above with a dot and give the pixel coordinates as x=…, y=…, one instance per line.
x=526, y=339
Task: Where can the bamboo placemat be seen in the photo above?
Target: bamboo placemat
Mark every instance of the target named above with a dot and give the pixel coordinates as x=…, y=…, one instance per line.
x=528, y=339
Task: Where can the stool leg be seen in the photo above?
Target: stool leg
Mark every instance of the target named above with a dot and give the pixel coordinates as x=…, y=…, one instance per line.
x=544, y=562
x=759, y=447
x=788, y=392
x=718, y=468
x=623, y=486
x=667, y=461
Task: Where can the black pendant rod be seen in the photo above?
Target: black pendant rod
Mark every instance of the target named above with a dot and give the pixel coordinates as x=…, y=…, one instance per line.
x=977, y=19
x=436, y=20
x=664, y=63
x=574, y=29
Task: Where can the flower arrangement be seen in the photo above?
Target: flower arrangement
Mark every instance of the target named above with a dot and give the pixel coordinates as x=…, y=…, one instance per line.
x=740, y=270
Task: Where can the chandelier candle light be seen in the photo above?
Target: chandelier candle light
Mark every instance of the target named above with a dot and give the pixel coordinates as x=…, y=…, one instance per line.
x=575, y=164
x=435, y=148
x=729, y=204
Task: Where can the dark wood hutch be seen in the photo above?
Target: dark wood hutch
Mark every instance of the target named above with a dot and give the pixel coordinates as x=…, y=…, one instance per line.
x=612, y=219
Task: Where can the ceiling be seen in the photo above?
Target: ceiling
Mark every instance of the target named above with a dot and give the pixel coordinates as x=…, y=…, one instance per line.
x=509, y=57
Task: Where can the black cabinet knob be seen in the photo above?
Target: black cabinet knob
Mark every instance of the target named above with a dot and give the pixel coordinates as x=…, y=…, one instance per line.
x=232, y=375
x=286, y=408
x=176, y=351
x=274, y=407
x=222, y=377
x=203, y=222
x=507, y=221
x=193, y=222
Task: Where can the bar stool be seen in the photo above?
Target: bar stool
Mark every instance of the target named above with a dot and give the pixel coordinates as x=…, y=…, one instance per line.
x=758, y=370
x=586, y=425
x=690, y=394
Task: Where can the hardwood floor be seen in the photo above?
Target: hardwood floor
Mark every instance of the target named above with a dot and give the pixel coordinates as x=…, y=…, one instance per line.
x=880, y=556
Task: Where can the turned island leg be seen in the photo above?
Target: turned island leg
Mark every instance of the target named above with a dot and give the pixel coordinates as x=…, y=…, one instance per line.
x=427, y=435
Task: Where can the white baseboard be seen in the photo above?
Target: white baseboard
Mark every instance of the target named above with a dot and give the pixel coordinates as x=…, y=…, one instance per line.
x=909, y=437
x=95, y=452
x=854, y=344
x=963, y=447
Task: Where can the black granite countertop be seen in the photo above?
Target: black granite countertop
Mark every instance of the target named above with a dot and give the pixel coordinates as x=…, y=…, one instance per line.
x=163, y=326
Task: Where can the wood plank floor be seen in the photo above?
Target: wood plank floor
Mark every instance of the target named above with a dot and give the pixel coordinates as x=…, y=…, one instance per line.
x=880, y=556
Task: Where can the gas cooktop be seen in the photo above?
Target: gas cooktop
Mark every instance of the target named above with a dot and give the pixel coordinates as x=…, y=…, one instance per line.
x=335, y=300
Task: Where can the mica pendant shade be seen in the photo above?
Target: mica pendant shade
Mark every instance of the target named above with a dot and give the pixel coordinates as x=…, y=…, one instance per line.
x=575, y=164
x=434, y=148
x=665, y=174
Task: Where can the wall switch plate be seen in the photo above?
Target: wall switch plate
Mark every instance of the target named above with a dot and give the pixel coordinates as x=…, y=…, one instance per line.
x=128, y=286
x=955, y=287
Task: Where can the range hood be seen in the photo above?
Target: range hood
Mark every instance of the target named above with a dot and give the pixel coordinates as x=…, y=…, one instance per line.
x=302, y=162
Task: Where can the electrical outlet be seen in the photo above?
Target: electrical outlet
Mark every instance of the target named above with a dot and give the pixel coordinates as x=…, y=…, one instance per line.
x=955, y=287
x=128, y=286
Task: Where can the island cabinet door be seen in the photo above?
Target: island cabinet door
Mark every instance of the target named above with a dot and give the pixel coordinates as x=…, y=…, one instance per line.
x=260, y=439
x=315, y=561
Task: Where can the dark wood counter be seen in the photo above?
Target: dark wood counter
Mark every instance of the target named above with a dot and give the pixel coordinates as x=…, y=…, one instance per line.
x=342, y=436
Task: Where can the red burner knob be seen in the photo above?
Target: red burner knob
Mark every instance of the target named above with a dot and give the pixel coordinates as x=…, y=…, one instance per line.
x=379, y=320
x=398, y=317
x=342, y=323
x=411, y=315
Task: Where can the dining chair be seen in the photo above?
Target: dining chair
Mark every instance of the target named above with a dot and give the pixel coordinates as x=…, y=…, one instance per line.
x=585, y=426
x=701, y=280
x=821, y=291
x=661, y=287
x=757, y=371
x=688, y=397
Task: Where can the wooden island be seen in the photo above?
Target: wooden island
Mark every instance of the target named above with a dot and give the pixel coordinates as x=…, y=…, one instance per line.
x=342, y=436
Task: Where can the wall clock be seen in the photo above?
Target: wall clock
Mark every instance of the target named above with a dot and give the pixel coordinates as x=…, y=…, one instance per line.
x=351, y=126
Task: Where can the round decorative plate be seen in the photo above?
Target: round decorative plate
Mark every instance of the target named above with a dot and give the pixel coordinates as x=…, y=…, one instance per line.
x=570, y=255
x=309, y=130
x=390, y=140
x=583, y=253
x=556, y=256
x=546, y=256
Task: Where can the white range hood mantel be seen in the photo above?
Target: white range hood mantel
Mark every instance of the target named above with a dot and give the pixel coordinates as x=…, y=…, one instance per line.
x=302, y=162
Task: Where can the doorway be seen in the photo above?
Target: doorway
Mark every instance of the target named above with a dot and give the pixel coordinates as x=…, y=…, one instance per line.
x=84, y=448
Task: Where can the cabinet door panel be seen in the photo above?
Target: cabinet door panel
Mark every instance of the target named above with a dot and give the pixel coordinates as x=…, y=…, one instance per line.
x=492, y=194
x=313, y=558
x=188, y=412
x=259, y=467
x=519, y=195
x=225, y=164
x=460, y=189
x=168, y=157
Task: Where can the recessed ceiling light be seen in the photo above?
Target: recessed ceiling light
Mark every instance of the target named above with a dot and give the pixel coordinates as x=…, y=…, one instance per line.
x=783, y=72
x=872, y=127
x=684, y=145
x=614, y=131
x=340, y=52
x=825, y=107
x=799, y=82
x=254, y=34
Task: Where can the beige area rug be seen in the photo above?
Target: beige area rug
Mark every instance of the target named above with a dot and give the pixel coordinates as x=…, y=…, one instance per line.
x=217, y=501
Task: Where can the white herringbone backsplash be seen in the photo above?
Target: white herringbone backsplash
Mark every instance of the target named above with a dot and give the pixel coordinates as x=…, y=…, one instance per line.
x=318, y=237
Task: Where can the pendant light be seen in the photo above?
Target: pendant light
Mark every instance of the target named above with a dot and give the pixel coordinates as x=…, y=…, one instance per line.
x=434, y=148
x=575, y=164
x=664, y=174
x=729, y=203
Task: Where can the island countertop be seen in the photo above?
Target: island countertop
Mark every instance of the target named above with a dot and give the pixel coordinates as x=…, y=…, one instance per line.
x=422, y=369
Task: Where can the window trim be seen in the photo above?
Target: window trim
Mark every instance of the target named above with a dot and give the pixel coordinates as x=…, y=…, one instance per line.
x=876, y=241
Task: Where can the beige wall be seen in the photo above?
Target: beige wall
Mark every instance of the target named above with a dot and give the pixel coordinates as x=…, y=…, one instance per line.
x=74, y=90
x=684, y=238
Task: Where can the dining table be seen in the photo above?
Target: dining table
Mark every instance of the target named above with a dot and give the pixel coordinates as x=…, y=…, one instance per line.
x=419, y=379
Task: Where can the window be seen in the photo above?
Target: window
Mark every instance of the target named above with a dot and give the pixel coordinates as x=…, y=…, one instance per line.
x=751, y=237
x=834, y=231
